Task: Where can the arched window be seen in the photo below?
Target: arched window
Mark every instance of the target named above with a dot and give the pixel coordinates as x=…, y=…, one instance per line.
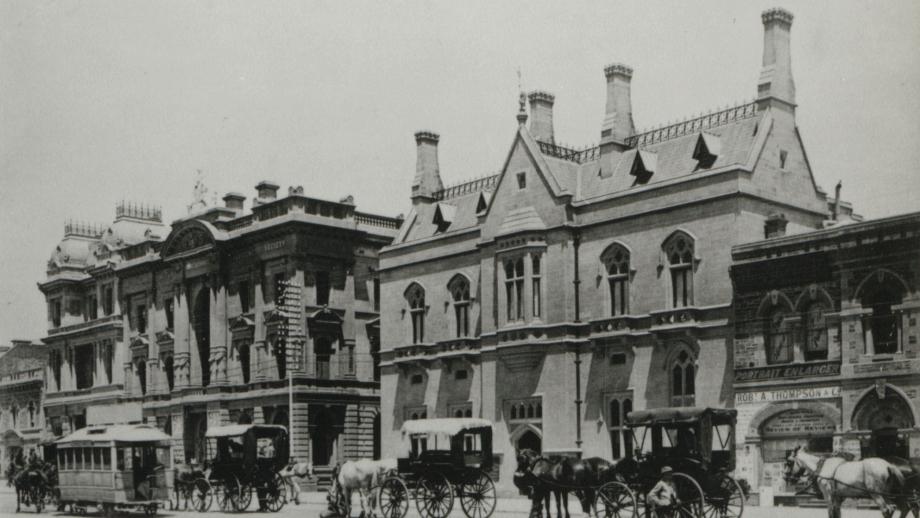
x=777, y=339
x=415, y=296
x=815, y=332
x=683, y=379
x=620, y=437
x=536, y=278
x=616, y=263
x=459, y=288
x=882, y=329
x=14, y=413
x=514, y=288
x=679, y=250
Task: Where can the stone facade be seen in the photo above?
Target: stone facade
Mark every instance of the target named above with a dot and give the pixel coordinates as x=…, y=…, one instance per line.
x=826, y=344
x=227, y=316
x=22, y=380
x=578, y=284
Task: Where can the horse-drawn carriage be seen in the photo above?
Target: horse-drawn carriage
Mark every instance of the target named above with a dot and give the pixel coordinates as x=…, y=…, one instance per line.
x=697, y=443
x=447, y=459
x=109, y=467
x=246, y=458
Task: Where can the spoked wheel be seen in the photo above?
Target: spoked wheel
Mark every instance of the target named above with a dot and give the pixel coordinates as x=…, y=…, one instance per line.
x=724, y=498
x=201, y=495
x=245, y=497
x=393, y=498
x=616, y=500
x=274, y=493
x=434, y=497
x=691, y=497
x=477, y=496
x=227, y=493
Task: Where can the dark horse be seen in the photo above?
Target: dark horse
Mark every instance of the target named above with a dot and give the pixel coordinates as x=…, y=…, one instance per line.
x=30, y=483
x=539, y=477
x=910, y=501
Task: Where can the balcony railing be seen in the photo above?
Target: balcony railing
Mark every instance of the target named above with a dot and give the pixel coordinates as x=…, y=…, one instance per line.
x=19, y=377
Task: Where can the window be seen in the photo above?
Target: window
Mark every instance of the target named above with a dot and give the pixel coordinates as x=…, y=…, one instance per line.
x=92, y=307
x=683, y=379
x=376, y=294
x=621, y=443
x=461, y=374
x=415, y=296
x=643, y=167
x=815, y=332
x=323, y=353
x=419, y=442
x=243, y=290
x=783, y=154
x=777, y=339
x=882, y=329
x=108, y=353
x=141, y=367
x=83, y=365
x=618, y=359
x=679, y=251
x=616, y=263
x=706, y=151
x=31, y=414
x=108, y=300
x=56, y=361
x=323, y=287
x=514, y=288
x=459, y=289
x=169, y=369
x=350, y=360
x=56, y=313
x=141, y=318
x=170, y=309
x=416, y=379
x=536, y=277
x=14, y=413
x=522, y=180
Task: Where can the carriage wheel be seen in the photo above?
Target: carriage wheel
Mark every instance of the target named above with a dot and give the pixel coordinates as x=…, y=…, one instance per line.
x=245, y=497
x=227, y=493
x=616, y=500
x=724, y=498
x=434, y=497
x=274, y=493
x=691, y=496
x=393, y=498
x=201, y=495
x=477, y=496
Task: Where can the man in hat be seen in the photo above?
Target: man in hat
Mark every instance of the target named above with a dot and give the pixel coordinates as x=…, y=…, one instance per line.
x=664, y=494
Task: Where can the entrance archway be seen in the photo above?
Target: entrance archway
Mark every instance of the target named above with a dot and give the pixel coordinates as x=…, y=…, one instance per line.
x=529, y=440
x=884, y=418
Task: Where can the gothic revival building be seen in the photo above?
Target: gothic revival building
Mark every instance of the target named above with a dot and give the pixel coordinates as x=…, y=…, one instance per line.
x=227, y=316
x=826, y=344
x=579, y=284
x=22, y=380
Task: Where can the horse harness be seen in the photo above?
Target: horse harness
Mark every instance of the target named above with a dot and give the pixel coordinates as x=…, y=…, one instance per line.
x=817, y=476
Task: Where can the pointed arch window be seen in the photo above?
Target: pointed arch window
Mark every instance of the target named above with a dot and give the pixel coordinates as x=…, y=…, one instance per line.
x=514, y=288
x=777, y=338
x=536, y=277
x=415, y=296
x=616, y=265
x=882, y=328
x=620, y=437
x=683, y=379
x=459, y=288
x=815, y=332
x=679, y=251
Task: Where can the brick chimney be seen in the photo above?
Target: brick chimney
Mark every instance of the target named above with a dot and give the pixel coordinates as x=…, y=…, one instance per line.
x=775, y=81
x=427, y=179
x=234, y=200
x=618, y=121
x=541, y=116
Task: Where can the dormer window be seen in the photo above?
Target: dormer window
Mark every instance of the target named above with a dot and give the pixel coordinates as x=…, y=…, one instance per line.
x=483, y=203
x=783, y=154
x=522, y=180
x=706, y=151
x=643, y=167
x=443, y=216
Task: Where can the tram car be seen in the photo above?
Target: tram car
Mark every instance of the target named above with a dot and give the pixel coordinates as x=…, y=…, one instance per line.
x=125, y=467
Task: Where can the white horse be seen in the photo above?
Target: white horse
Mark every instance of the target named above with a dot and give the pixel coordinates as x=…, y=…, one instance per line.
x=363, y=475
x=838, y=479
x=299, y=470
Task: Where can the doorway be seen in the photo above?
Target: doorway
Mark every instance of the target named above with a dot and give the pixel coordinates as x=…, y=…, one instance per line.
x=529, y=440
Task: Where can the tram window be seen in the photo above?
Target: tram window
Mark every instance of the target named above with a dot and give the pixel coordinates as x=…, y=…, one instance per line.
x=78, y=459
x=162, y=457
x=60, y=459
x=106, y=459
x=120, y=459
x=97, y=458
x=70, y=455
x=87, y=458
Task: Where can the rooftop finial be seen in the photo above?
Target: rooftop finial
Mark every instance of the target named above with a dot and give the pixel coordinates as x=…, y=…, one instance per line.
x=522, y=101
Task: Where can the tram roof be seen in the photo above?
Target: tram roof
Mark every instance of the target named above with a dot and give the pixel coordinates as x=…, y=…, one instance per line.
x=679, y=415
x=444, y=425
x=120, y=433
x=235, y=430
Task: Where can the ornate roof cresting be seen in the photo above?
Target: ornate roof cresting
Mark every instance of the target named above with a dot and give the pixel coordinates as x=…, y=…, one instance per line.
x=618, y=68
x=427, y=135
x=776, y=14
x=541, y=95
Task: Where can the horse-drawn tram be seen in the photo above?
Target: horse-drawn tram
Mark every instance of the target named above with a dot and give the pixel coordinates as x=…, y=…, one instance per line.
x=114, y=467
x=247, y=458
x=698, y=444
x=447, y=459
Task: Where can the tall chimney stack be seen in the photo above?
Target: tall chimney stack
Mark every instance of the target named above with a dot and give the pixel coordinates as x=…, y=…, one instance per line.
x=776, y=75
x=541, y=116
x=427, y=179
x=618, y=121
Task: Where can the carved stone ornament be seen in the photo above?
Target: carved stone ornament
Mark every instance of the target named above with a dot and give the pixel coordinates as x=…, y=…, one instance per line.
x=880, y=388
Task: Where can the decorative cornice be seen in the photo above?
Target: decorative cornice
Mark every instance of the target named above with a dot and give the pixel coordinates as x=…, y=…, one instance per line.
x=776, y=14
x=427, y=135
x=618, y=69
x=541, y=95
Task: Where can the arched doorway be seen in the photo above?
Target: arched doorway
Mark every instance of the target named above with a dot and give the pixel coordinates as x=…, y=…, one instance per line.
x=322, y=438
x=201, y=324
x=884, y=418
x=785, y=430
x=529, y=440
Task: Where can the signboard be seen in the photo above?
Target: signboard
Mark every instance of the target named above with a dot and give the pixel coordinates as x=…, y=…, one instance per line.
x=788, y=371
x=793, y=394
x=798, y=422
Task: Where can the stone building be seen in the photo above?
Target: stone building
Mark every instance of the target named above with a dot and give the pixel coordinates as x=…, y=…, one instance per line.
x=578, y=284
x=226, y=316
x=826, y=344
x=22, y=380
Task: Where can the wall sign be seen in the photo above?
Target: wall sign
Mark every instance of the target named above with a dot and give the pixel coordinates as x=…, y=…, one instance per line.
x=788, y=371
x=798, y=422
x=794, y=394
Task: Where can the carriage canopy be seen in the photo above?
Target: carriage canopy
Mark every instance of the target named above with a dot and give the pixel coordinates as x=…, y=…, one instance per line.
x=717, y=416
x=445, y=426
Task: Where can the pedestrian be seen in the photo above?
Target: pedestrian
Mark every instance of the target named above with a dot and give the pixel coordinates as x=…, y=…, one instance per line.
x=664, y=494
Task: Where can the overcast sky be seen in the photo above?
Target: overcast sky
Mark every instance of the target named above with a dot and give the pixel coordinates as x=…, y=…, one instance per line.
x=108, y=100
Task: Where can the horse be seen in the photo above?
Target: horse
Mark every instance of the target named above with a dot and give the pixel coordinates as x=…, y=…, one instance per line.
x=838, y=479
x=910, y=499
x=534, y=476
x=299, y=470
x=30, y=483
x=362, y=476
x=542, y=477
